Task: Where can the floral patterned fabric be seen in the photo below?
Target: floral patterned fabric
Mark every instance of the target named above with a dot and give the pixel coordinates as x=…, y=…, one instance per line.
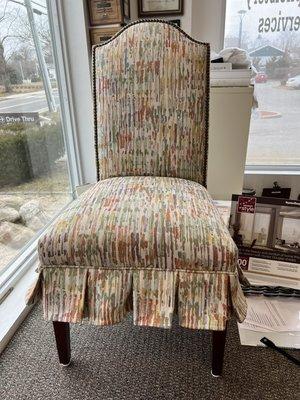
x=206, y=300
x=141, y=222
x=140, y=242
x=151, y=117
x=152, y=244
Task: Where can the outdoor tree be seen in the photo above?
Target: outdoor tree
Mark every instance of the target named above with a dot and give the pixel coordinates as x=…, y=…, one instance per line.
x=18, y=60
x=278, y=67
x=289, y=41
x=256, y=62
x=42, y=26
x=24, y=61
x=8, y=17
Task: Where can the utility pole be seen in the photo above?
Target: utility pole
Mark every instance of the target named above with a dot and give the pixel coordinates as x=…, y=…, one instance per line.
x=21, y=70
x=241, y=14
x=40, y=57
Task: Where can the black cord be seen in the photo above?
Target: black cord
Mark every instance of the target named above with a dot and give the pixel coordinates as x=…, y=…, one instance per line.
x=273, y=346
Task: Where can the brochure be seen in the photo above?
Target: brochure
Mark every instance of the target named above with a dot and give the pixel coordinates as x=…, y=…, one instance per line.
x=267, y=233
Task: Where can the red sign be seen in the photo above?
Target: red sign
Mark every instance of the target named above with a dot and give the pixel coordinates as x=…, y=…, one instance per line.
x=246, y=204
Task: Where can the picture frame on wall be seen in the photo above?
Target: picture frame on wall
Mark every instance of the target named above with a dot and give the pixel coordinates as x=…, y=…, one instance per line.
x=150, y=8
x=101, y=35
x=105, y=12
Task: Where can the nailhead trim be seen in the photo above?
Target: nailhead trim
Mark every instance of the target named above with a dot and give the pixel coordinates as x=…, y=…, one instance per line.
x=147, y=20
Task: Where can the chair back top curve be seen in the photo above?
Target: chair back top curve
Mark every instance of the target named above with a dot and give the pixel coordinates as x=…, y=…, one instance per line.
x=151, y=103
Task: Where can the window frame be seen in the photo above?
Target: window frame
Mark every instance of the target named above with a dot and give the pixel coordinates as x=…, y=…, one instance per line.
x=28, y=257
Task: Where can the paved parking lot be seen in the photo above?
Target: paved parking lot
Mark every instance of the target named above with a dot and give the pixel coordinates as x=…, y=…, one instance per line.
x=275, y=140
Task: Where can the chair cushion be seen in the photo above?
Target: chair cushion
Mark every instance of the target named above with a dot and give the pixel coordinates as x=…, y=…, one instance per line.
x=152, y=244
x=141, y=222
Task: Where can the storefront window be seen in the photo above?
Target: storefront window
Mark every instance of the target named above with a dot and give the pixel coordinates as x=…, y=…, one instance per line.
x=270, y=31
x=34, y=179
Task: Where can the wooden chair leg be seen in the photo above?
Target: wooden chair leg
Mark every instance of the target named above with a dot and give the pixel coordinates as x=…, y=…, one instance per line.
x=218, y=347
x=62, y=337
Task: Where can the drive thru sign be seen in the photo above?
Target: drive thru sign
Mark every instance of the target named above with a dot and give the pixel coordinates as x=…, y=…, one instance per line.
x=20, y=118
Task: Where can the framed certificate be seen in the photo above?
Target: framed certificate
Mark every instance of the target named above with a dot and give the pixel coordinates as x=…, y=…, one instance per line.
x=100, y=35
x=148, y=8
x=105, y=12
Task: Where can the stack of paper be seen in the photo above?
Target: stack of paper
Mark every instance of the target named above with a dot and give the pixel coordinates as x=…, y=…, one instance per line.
x=265, y=314
x=234, y=77
x=271, y=317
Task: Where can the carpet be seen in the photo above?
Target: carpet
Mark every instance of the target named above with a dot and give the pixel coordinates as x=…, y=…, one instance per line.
x=134, y=363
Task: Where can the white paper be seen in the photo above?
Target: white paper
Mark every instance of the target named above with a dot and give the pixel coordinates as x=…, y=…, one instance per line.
x=272, y=314
x=252, y=327
x=281, y=339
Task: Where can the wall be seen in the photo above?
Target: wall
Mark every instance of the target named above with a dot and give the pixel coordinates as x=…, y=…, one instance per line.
x=207, y=22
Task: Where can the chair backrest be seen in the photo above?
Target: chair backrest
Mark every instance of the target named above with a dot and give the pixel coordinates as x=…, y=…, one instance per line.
x=151, y=100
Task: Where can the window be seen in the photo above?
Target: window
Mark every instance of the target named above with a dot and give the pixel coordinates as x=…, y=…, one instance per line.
x=34, y=173
x=270, y=31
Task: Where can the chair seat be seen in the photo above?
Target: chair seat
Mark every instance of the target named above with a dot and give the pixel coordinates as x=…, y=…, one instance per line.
x=141, y=222
x=140, y=243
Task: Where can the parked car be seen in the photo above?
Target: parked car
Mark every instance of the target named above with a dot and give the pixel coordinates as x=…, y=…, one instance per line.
x=293, y=82
x=261, y=77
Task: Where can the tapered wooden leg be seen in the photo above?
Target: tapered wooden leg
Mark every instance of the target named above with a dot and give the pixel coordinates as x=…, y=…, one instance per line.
x=218, y=347
x=62, y=337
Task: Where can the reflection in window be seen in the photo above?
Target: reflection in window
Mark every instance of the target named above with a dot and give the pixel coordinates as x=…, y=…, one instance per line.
x=34, y=182
x=270, y=32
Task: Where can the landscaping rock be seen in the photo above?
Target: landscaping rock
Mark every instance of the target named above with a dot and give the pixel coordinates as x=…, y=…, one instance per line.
x=9, y=214
x=6, y=255
x=33, y=215
x=14, y=235
x=11, y=201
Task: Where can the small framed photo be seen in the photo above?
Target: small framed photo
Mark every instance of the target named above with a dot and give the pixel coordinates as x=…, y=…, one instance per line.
x=105, y=12
x=149, y=8
x=100, y=35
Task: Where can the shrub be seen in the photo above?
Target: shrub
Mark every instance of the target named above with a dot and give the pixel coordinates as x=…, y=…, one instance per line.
x=28, y=152
x=15, y=76
x=35, y=78
x=14, y=166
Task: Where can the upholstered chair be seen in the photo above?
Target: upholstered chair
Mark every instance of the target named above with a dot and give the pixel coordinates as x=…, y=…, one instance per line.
x=147, y=236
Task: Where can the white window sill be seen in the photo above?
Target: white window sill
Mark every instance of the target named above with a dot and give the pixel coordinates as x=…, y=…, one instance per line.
x=272, y=170
x=13, y=309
